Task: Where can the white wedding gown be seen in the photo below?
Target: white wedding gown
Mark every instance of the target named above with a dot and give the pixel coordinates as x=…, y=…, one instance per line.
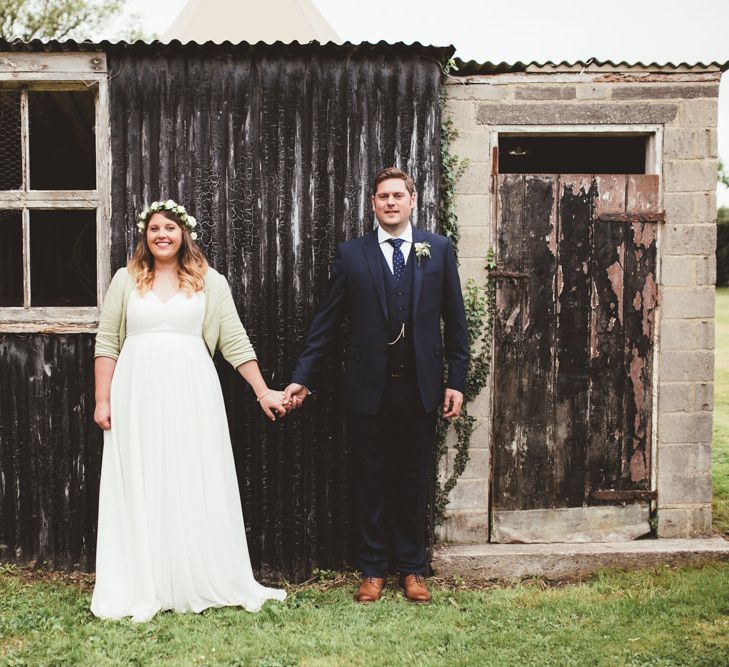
x=171, y=532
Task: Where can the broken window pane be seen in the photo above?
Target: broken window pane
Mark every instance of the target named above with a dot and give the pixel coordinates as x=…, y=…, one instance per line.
x=62, y=140
x=11, y=258
x=11, y=177
x=63, y=258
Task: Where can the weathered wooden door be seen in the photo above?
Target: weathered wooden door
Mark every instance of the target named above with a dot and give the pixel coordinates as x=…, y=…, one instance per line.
x=576, y=297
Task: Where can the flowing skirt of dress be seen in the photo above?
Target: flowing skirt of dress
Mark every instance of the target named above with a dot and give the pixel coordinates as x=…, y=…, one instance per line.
x=171, y=532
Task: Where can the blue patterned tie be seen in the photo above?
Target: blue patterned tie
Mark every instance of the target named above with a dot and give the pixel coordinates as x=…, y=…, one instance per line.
x=398, y=260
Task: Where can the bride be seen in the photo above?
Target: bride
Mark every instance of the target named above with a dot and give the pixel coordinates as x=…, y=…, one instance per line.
x=171, y=533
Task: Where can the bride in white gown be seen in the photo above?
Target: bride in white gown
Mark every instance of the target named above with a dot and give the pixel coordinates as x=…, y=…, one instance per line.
x=171, y=533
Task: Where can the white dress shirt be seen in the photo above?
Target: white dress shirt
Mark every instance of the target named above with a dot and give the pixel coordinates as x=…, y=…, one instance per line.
x=388, y=249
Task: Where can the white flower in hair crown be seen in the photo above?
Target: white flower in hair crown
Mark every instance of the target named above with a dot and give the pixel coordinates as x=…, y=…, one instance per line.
x=173, y=207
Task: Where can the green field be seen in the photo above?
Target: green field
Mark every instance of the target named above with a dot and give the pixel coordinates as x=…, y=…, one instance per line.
x=651, y=617
x=720, y=463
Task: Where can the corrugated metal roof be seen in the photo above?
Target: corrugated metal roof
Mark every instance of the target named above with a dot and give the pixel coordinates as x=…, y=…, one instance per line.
x=439, y=53
x=472, y=67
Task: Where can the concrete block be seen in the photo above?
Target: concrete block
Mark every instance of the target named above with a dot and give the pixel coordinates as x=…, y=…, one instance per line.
x=475, y=242
x=574, y=114
x=705, y=206
x=704, y=396
x=477, y=466
x=690, y=175
x=481, y=407
x=696, y=239
x=688, y=460
x=554, y=562
x=469, y=494
x=540, y=92
x=689, y=334
x=665, y=91
x=476, y=179
x=593, y=91
x=466, y=527
x=472, y=146
x=677, y=302
x=472, y=268
x=682, y=522
x=705, y=270
x=476, y=91
x=676, y=396
x=687, y=366
x=711, y=141
x=473, y=210
x=571, y=524
x=463, y=113
x=679, y=208
x=683, y=427
x=699, y=113
x=677, y=271
x=680, y=143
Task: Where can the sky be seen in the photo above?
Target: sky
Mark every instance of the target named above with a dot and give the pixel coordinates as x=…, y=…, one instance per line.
x=511, y=31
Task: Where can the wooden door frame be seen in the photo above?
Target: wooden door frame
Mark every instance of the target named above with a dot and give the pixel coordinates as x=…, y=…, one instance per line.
x=654, y=165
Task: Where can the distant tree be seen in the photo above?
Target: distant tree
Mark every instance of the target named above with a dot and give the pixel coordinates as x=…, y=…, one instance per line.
x=66, y=19
x=723, y=175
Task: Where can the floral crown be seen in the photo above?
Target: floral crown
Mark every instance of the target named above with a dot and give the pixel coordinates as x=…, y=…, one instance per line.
x=173, y=207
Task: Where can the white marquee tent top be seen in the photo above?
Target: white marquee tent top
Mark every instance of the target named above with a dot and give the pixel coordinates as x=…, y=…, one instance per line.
x=250, y=21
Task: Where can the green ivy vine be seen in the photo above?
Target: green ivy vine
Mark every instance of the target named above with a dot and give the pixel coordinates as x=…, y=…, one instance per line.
x=480, y=304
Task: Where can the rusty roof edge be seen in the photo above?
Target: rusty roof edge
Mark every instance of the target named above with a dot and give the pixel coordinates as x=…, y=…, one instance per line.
x=439, y=53
x=472, y=67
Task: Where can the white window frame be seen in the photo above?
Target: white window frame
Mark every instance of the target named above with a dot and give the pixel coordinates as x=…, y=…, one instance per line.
x=60, y=71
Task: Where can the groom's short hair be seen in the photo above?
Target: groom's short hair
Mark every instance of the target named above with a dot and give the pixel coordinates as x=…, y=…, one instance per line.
x=393, y=172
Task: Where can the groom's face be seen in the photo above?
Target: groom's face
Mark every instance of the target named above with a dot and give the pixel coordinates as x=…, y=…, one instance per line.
x=392, y=204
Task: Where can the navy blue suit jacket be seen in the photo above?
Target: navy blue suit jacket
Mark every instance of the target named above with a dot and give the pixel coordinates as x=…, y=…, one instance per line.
x=357, y=291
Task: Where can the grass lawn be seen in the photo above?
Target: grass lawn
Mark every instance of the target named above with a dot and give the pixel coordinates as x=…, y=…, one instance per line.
x=652, y=617
x=720, y=463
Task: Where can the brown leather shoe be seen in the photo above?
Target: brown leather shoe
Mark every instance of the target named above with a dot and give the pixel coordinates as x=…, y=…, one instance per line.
x=370, y=589
x=415, y=589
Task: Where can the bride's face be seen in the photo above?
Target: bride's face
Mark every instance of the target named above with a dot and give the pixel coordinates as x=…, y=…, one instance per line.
x=164, y=237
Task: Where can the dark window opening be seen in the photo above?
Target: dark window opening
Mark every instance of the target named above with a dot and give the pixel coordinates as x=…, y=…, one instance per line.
x=11, y=177
x=63, y=258
x=572, y=155
x=62, y=140
x=11, y=258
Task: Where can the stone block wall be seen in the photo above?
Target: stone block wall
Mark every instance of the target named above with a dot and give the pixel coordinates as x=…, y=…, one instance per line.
x=683, y=104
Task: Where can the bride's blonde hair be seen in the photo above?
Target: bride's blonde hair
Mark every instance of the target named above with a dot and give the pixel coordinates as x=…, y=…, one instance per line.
x=191, y=263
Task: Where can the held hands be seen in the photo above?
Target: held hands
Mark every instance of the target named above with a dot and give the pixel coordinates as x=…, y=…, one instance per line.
x=272, y=403
x=452, y=403
x=294, y=395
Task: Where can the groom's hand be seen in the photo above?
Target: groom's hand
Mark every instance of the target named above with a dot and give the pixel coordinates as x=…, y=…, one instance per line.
x=295, y=394
x=452, y=403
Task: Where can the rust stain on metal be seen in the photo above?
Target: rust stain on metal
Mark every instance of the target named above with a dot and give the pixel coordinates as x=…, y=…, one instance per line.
x=611, y=194
x=637, y=463
x=615, y=276
x=655, y=77
x=594, y=303
x=637, y=364
x=637, y=301
x=650, y=289
x=642, y=193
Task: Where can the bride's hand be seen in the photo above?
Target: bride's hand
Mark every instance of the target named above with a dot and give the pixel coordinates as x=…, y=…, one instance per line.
x=102, y=415
x=272, y=401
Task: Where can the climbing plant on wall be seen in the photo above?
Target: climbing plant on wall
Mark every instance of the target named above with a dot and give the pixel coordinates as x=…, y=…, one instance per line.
x=480, y=303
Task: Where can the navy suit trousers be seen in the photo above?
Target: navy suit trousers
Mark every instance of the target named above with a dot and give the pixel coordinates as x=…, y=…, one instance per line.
x=393, y=457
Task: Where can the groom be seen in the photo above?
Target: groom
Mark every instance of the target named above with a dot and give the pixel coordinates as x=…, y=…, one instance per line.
x=395, y=285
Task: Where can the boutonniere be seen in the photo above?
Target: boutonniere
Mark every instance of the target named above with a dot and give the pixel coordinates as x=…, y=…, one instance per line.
x=422, y=251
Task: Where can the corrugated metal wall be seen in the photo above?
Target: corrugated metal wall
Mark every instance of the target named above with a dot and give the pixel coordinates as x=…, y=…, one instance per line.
x=273, y=149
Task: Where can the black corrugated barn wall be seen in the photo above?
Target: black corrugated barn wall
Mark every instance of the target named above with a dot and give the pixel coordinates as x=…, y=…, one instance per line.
x=273, y=149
